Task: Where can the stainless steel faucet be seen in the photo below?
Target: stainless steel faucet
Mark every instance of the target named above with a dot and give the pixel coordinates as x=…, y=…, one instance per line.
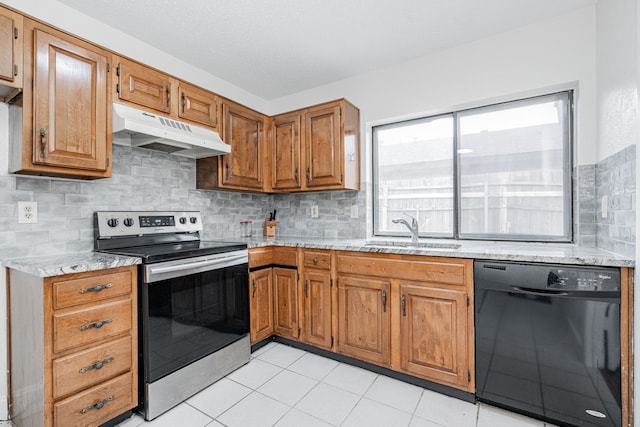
x=413, y=227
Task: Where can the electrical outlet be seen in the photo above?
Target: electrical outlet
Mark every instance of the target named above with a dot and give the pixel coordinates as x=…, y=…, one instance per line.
x=27, y=212
x=354, y=211
x=314, y=211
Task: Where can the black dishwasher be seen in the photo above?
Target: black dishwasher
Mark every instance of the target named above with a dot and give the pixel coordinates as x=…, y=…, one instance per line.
x=548, y=341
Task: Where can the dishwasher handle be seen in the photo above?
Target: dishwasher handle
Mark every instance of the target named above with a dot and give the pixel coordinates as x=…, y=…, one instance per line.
x=591, y=295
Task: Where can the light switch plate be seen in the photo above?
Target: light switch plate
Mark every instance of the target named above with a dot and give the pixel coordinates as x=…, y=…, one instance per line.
x=605, y=206
x=354, y=211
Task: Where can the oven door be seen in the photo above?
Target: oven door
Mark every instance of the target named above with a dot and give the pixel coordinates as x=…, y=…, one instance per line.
x=190, y=309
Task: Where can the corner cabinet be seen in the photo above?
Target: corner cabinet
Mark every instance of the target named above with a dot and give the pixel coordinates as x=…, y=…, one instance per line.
x=11, y=33
x=316, y=148
x=74, y=347
x=66, y=116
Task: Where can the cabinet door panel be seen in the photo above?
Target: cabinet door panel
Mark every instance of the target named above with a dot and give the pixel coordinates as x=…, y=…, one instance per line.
x=261, y=304
x=243, y=129
x=285, y=295
x=70, y=99
x=317, y=309
x=285, y=151
x=364, y=319
x=144, y=86
x=198, y=105
x=324, y=151
x=433, y=331
x=7, y=46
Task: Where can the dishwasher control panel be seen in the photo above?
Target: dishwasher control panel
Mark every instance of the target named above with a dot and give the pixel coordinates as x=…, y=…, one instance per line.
x=581, y=279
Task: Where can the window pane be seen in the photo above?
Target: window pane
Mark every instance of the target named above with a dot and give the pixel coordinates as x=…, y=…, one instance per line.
x=514, y=167
x=413, y=163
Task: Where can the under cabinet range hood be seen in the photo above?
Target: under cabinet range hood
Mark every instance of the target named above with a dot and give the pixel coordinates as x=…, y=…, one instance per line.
x=138, y=128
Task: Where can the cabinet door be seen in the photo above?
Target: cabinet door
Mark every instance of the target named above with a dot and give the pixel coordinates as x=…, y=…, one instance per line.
x=285, y=296
x=364, y=319
x=433, y=331
x=285, y=151
x=10, y=51
x=143, y=86
x=261, y=304
x=198, y=105
x=70, y=104
x=323, y=146
x=243, y=129
x=317, y=308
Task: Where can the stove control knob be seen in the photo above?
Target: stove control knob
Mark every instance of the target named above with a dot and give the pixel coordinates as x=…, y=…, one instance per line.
x=112, y=222
x=183, y=220
x=193, y=220
x=128, y=222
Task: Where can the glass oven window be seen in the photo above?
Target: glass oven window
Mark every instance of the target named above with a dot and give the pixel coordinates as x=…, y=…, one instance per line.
x=190, y=317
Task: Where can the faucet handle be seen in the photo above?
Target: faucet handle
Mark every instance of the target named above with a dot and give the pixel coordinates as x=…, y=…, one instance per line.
x=414, y=221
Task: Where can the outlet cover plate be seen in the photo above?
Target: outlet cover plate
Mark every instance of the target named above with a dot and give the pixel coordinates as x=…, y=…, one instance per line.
x=27, y=212
x=314, y=211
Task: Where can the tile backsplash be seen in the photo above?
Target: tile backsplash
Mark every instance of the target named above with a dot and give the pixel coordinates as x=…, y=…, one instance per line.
x=151, y=180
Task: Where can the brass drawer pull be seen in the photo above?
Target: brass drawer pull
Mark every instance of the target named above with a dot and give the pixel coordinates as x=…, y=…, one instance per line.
x=96, y=325
x=97, y=405
x=97, y=365
x=96, y=288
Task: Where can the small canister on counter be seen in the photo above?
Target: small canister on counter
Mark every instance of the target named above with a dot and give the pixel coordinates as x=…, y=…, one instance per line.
x=246, y=228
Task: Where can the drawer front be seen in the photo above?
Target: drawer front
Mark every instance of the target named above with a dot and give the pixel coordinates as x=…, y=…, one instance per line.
x=317, y=260
x=82, y=290
x=76, y=328
x=90, y=367
x=444, y=271
x=96, y=405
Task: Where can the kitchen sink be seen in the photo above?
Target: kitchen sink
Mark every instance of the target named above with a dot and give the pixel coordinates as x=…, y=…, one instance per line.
x=418, y=245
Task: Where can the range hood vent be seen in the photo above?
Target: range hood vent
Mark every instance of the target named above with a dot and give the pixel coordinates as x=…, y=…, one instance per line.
x=137, y=128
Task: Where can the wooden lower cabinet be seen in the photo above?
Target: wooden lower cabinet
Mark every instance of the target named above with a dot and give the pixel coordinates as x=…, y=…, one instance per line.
x=317, y=308
x=261, y=304
x=74, y=347
x=364, y=319
x=433, y=334
x=285, y=297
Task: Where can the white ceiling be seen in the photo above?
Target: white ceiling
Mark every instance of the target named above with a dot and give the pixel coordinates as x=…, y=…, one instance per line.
x=273, y=48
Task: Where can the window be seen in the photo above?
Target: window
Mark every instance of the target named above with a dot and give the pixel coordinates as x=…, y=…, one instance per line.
x=500, y=172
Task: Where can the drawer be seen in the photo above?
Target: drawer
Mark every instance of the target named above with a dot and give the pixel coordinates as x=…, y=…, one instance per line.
x=89, y=288
x=90, y=367
x=95, y=406
x=79, y=327
x=320, y=260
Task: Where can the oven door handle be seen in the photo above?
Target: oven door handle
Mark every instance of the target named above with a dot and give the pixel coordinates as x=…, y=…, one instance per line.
x=155, y=273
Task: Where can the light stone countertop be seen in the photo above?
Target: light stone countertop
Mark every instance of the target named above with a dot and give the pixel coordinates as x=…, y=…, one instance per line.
x=58, y=265
x=507, y=251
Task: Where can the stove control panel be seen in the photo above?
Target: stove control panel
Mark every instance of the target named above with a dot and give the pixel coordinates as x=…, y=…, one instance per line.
x=140, y=223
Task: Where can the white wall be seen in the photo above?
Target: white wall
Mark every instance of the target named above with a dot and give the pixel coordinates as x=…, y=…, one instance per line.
x=557, y=51
x=4, y=136
x=617, y=78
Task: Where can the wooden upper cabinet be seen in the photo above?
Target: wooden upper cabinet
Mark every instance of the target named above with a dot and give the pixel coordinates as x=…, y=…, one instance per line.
x=197, y=105
x=323, y=146
x=66, y=114
x=11, y=51
x=243, y=129
x=285, y=144
x=434, y=334
x=143, y=86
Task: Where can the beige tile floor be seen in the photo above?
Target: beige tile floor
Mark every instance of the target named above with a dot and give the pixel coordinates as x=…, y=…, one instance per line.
x=284, y=386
